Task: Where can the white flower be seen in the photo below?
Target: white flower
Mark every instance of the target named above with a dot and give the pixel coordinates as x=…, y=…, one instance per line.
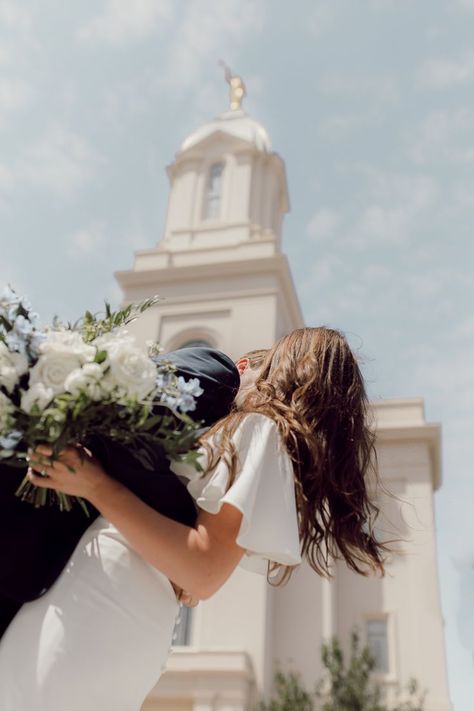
x=68, y=342
x=86, y=379
x=128, y=367
x=62, y=352
x=38, y=395
x=12, y=367
x=6, y=410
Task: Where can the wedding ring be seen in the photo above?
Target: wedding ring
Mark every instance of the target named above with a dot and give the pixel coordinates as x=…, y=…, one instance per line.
x=43, y=472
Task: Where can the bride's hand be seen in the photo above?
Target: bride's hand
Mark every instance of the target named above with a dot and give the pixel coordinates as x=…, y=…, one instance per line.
x=75, y=472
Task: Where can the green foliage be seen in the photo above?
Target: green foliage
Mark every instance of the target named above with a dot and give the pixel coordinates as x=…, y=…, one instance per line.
x=414, y=698
x=290, y=695
x=349, y=685
x=92, y=326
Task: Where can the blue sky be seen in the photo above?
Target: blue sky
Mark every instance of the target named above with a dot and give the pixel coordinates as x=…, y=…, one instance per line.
x=370, y=103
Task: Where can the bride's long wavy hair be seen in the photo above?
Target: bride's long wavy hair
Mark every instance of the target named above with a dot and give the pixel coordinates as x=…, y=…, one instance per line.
x=310, y=384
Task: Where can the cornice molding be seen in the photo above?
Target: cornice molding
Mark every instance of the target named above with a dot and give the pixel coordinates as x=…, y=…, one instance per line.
x=408, y=425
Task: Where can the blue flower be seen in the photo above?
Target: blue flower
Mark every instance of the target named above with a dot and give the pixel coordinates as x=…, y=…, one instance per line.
x=11, y=440
x=169, y=400
x=190, y=387
x=9, y=297
x=163, y=380
x=186, y=403
x=9, y=303
x=17, y=339
x=23, y=326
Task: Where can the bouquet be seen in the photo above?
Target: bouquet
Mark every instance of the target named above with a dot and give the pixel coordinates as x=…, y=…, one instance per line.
x=65, y=383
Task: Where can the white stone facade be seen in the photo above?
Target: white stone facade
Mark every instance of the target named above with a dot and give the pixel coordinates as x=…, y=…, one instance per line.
x=225, y=281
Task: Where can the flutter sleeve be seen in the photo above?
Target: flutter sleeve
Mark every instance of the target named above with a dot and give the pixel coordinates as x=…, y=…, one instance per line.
x=263, y=490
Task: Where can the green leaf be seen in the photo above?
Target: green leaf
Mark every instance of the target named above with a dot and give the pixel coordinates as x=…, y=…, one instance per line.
x=100, y=357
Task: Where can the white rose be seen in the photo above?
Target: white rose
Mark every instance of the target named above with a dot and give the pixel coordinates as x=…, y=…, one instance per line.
x=121, y=335
x=12, y=367
x=129, y=368
x=38, y=395
x=68, y=342
x=61, y=353
x=87, y=379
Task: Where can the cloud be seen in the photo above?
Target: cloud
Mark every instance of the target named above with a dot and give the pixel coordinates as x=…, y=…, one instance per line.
x=87, y=241
x=442, y=73
x=206, y=33
x=9, y=272
x=127, y=98
x=366, y=98
x=445, y=136
x=381, y=89
x=396, y=205
x=15, y=94
x=343, y=125
x=381, y=225
x=391, y=4
x=323, y=223
x=6, y=178
x=13, y=16
x=321, y=19
x=6, y=55
x=392, y=210
x=123, y=22
x=61, y=162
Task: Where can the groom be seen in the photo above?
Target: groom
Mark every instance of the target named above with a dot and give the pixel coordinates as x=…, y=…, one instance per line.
x=36, y=543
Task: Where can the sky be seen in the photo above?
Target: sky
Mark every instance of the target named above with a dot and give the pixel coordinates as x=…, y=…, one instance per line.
x=371, y=105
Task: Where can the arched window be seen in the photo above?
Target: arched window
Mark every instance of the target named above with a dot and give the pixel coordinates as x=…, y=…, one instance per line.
x=212, y=207
x=194, y=337
x=193, y=342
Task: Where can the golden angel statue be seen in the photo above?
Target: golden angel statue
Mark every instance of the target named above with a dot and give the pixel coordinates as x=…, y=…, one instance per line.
x=236, y=85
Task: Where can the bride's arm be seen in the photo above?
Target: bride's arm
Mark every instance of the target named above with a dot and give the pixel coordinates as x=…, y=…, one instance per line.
x=197, y=559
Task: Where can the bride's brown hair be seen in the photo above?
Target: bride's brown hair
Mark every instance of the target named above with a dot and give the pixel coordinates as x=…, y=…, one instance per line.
x=309, y=383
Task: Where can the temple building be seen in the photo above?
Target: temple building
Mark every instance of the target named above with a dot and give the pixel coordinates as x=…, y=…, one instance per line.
x=227, y=283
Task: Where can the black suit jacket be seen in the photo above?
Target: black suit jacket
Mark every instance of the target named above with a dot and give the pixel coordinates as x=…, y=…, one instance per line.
x=36, y=543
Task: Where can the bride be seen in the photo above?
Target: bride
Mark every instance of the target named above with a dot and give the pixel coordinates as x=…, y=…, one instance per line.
x=283, y=478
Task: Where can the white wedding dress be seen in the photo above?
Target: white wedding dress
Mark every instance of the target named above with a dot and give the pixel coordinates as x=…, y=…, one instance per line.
x=100, y=637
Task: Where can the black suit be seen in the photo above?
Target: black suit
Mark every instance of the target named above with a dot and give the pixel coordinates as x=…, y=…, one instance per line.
x=36, y=543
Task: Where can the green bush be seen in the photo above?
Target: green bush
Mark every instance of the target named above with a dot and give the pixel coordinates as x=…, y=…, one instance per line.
x=348, y=685
x=289, y=695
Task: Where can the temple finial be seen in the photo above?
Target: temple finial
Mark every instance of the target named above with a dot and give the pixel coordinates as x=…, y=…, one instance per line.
x=237, y=90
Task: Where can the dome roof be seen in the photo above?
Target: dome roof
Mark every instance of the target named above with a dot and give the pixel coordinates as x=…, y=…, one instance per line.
x=235, y=123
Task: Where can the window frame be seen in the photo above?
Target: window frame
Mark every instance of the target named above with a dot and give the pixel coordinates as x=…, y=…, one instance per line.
x=182, y=632
x=390, y=676
x=213, y=197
